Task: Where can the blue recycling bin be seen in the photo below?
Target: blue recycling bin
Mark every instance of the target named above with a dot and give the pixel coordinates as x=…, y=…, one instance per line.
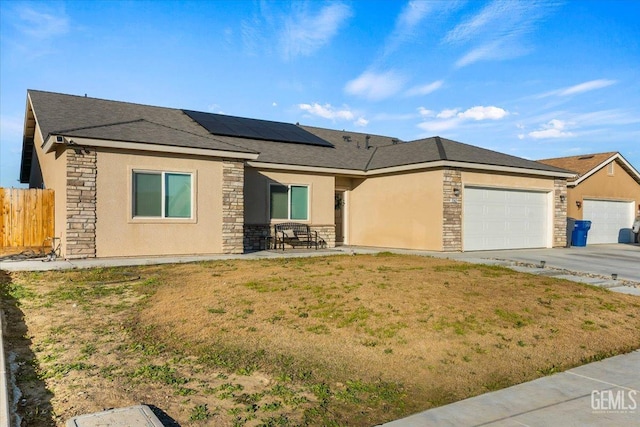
x=580, y=232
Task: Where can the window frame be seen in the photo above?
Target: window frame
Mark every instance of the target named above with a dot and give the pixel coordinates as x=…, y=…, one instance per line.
x=289, y=186
x=163, y=208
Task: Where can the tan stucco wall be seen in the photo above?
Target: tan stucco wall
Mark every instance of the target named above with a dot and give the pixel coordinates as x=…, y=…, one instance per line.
x=118, y=234
x=54, y=175
x=601, y=185
x=321, y=194
x=506, y=181
x=399, y=211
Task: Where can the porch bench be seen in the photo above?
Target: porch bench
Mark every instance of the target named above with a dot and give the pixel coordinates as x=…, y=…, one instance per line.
x=294, y=233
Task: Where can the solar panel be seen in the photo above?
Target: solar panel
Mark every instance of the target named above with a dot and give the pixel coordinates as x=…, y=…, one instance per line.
x=219, y=124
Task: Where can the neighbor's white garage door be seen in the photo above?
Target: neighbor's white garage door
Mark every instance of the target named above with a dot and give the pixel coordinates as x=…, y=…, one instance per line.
x=611, y=221
x=504, y=219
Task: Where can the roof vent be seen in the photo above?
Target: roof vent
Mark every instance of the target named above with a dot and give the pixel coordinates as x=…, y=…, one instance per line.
x=346, y=138
x=366, y=141
x=585, y=158
x=394, y=141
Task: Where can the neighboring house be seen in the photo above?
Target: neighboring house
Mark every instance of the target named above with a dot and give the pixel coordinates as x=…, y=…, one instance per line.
x=606, y=191
x=135, y=180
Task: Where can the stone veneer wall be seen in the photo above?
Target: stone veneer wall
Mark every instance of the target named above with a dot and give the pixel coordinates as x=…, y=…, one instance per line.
x=452, y=211
x=254, y=235
x=326, y=235
x=232, y=206
x=81, y=204
x=560, y=212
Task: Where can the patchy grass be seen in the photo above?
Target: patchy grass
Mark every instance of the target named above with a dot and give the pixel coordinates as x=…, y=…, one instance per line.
x=342, y=340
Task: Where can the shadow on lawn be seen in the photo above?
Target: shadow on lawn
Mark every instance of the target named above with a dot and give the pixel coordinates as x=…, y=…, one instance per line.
x=164, y=418
x=29, y=399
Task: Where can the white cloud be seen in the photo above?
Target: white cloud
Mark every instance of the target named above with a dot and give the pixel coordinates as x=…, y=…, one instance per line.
x=426, y=113
x=484, y=113
x=303, y=32
x=412, y=14
x=450, y=118
x=375, y=86
x=439, y=125
x=553, y=129
x=327, y=111
x=495, y=50
x=497, y=31
x=618, y=117
x=587, y=86
x=274, y=104
x=361, y=122
x=492, y=13
x=424, y=89
x=579, y=88
x=40, y=24
x=408, y=23
x=447, y=114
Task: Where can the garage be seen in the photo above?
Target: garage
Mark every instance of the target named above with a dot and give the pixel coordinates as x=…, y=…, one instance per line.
x=505, y=219
x=611, y=221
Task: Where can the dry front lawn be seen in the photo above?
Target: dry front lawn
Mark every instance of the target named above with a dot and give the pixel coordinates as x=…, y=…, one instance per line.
x=340, y=340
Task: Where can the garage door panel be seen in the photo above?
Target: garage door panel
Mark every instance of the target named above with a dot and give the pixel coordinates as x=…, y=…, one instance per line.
x=611, y=221
x=504, y=219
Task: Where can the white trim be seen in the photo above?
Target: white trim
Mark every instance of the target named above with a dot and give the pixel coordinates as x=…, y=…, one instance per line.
x=627, y=166
x=277, y=220
x=404, y=168
x=345, y=218
x=137, y=146
x=162, y=218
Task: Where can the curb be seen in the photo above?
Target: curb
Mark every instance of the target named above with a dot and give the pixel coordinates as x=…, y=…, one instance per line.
x=5, y=416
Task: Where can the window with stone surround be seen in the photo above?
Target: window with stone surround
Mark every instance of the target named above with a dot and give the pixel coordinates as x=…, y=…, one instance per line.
x=162, y=194
x=289, y=202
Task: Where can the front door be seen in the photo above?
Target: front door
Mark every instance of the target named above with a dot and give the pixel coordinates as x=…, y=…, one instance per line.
x=339, y=217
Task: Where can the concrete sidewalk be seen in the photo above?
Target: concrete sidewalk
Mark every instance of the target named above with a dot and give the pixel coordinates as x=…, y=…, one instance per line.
x=604, y=393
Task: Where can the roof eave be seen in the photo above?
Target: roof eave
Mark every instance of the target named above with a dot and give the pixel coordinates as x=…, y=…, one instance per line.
x=28, y=135
x=52, y=140
x=617, y=156
x=407, y=168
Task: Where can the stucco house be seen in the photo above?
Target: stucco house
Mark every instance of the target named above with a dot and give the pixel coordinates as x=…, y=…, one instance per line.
x=605, y=191
x=135, y=180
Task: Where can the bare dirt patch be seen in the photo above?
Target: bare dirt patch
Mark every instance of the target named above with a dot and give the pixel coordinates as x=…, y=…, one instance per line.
x=342, y=340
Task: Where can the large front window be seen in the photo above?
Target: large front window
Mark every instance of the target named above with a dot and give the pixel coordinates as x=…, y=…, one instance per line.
x=162, y=194
x=289, y=202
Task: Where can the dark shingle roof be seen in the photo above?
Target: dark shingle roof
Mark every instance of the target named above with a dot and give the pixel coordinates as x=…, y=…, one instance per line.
x=436, y=149
x=69, y=115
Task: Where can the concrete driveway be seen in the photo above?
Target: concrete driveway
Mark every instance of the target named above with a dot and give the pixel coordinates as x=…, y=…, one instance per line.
x=599, y=260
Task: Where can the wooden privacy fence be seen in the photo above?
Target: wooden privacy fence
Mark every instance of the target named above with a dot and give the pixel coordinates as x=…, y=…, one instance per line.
x=26, y=219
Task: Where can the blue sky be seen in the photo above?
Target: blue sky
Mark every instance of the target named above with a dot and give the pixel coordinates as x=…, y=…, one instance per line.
x=534, y=79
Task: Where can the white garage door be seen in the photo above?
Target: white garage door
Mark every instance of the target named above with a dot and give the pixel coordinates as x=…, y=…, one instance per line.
x=611, y=221
x=504, y=219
